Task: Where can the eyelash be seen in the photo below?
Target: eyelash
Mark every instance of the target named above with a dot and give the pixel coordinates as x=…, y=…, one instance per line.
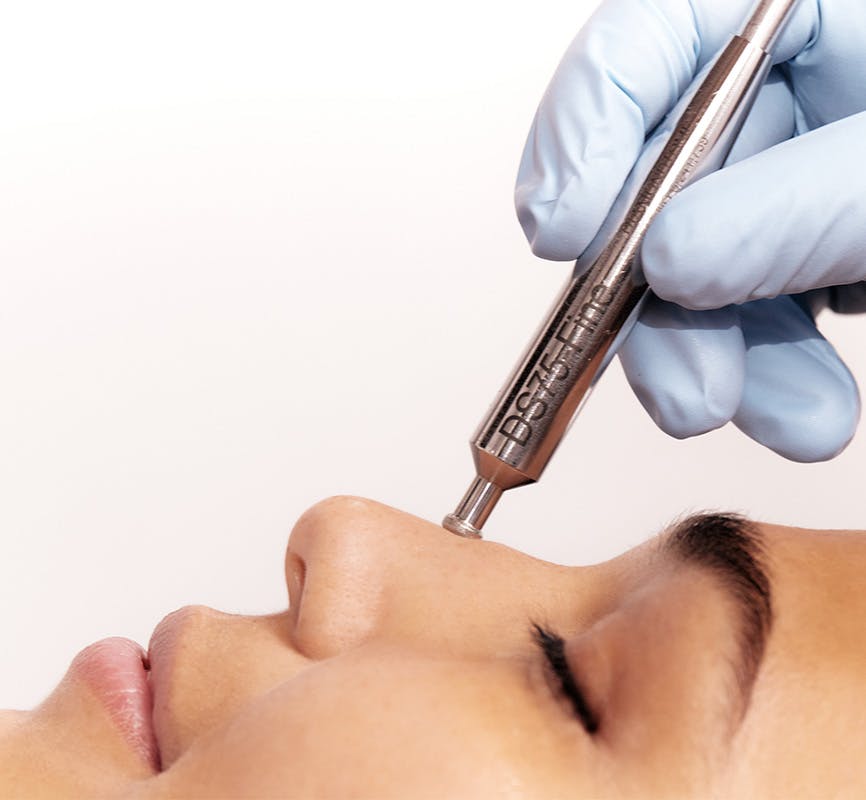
x=553, y=647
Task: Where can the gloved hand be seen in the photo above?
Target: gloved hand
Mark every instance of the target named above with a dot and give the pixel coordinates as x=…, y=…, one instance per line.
x=730, y=334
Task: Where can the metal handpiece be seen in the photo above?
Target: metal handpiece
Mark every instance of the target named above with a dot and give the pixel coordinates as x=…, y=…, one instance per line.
x=596, y=309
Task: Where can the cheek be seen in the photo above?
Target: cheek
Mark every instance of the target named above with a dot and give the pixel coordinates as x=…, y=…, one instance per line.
x=382, y=730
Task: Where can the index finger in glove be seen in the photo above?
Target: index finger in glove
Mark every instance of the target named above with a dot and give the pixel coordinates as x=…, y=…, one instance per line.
x=623, y=72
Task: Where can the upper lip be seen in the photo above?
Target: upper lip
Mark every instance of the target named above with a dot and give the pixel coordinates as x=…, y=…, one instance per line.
x=163, y=640
x=161, y=651
x=173, y=656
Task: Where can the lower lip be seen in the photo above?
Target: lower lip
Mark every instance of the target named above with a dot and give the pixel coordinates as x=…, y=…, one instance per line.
x=114, y=670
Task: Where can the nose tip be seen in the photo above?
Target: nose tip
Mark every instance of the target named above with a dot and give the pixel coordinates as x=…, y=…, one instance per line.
x=336, y=565
x=361, y=574
x=357, y=570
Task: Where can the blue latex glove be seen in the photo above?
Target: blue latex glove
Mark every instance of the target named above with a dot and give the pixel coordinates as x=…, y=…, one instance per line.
x=786, y=216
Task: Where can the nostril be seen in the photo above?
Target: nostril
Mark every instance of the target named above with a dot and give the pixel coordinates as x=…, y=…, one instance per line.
x=295, y=572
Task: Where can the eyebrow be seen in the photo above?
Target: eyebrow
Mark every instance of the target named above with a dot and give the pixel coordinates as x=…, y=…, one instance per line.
x=732, y=548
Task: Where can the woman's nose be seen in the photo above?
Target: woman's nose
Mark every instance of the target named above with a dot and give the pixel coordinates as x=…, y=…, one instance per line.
x=346, y=559
x=358, y=570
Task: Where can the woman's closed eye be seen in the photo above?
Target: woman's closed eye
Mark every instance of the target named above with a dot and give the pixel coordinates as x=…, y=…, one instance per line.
x=553, y=647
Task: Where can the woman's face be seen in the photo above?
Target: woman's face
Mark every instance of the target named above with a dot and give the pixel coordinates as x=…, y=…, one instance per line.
x=409, y=664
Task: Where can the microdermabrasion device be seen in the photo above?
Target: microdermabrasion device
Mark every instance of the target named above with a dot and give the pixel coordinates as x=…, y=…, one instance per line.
x=598, y=305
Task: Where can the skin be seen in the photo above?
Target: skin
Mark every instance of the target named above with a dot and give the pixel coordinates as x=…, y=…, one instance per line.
x=404, y=666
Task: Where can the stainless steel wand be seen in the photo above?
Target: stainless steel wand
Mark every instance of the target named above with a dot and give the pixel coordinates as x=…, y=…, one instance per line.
x=597, y=307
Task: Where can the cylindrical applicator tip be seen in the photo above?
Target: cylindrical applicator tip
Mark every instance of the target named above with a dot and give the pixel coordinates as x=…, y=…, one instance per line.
x=454, y=524
x=469, y=517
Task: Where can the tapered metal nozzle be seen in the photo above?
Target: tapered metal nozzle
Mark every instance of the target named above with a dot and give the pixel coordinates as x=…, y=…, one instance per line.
x=474, y=509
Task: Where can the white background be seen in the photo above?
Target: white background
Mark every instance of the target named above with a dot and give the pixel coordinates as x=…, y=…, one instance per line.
x=255, y=254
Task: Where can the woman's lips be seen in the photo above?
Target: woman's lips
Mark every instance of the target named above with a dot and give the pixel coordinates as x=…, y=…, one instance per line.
x=115, y=671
